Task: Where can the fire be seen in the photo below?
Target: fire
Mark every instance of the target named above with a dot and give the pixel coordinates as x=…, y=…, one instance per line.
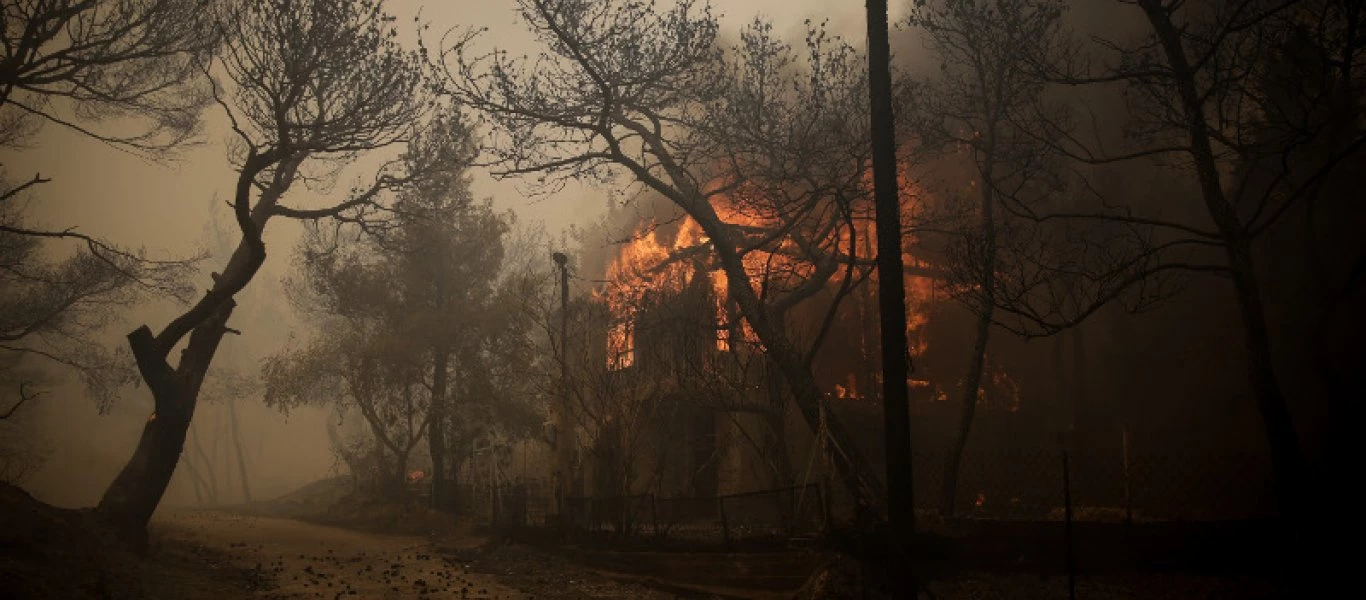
x=653, y=265
x=646, y=265
x=640, y=267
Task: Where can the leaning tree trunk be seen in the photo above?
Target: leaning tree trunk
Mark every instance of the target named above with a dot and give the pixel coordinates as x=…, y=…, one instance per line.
x=857, y=475
x=135, y=493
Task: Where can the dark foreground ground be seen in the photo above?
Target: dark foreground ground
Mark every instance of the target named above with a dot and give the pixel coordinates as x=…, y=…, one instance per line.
x=54, y=553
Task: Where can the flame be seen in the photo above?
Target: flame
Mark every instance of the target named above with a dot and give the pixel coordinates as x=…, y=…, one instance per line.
x=851, y=391
x=641, y=266
x=646, y=265
x=652, y=265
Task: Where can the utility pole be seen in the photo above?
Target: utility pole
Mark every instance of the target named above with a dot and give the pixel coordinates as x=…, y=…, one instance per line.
x=891, y=300
x=564, y=425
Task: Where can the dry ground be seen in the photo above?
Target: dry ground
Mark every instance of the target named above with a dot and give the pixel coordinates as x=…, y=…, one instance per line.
x=303, y=560
x=201, y=555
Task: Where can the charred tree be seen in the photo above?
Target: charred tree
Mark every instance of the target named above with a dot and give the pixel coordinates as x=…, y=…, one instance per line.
x=128, y=70
x=645, y=100
x=289, y=107
x=135, y=493
x=1286, y=453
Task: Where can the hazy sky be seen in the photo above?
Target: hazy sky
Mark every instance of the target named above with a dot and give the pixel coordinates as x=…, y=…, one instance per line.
x=163, y=206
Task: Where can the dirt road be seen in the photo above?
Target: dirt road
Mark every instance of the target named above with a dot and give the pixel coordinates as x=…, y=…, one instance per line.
x=293, y=559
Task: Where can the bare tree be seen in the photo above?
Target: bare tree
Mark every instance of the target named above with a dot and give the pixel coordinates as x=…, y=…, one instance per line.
x=1205, y=99
x=22, y=449
x=313, y=81
x=974, y=103
x=76, y=63
x=619, y=88
x=132, y=65
x=51, y=309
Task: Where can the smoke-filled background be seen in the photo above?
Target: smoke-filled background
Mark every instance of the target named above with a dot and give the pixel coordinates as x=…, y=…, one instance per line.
x=179, y=208
x=1086, y=304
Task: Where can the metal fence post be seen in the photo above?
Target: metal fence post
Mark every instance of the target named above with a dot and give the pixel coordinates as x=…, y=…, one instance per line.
x=825, y=507
x=725, y=526
x=1067, y=520
x=1128, y=489
x=654, y=515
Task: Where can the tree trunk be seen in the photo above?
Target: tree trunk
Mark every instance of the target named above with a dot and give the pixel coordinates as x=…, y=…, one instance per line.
x=1286, y=455
x=436, y=431
x=972, y=382
x=211, y=477
x=1086, y=415
x=857, y=475
x=866, y=489
x=986, y=278
x=241, y=453
x=775, y=425
x=196, y=481
x=134, y=495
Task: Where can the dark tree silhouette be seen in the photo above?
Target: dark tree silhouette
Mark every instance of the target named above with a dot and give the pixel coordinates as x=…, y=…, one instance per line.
x=620, y=87
x=1198, y=98
x=313, y=81
x=126, y=73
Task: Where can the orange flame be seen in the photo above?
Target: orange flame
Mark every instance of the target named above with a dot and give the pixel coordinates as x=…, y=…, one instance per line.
x=647, y=265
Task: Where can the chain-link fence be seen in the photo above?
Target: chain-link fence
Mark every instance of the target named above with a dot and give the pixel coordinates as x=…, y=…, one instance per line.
x=777, y=514
x=1105, y=485
x=1018, y=493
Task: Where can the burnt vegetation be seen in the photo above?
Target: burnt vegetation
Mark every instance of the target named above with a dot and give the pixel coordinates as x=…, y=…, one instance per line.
x=1005, y=287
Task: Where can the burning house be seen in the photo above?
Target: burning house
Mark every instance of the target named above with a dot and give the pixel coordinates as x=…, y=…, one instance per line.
x=688, y=377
